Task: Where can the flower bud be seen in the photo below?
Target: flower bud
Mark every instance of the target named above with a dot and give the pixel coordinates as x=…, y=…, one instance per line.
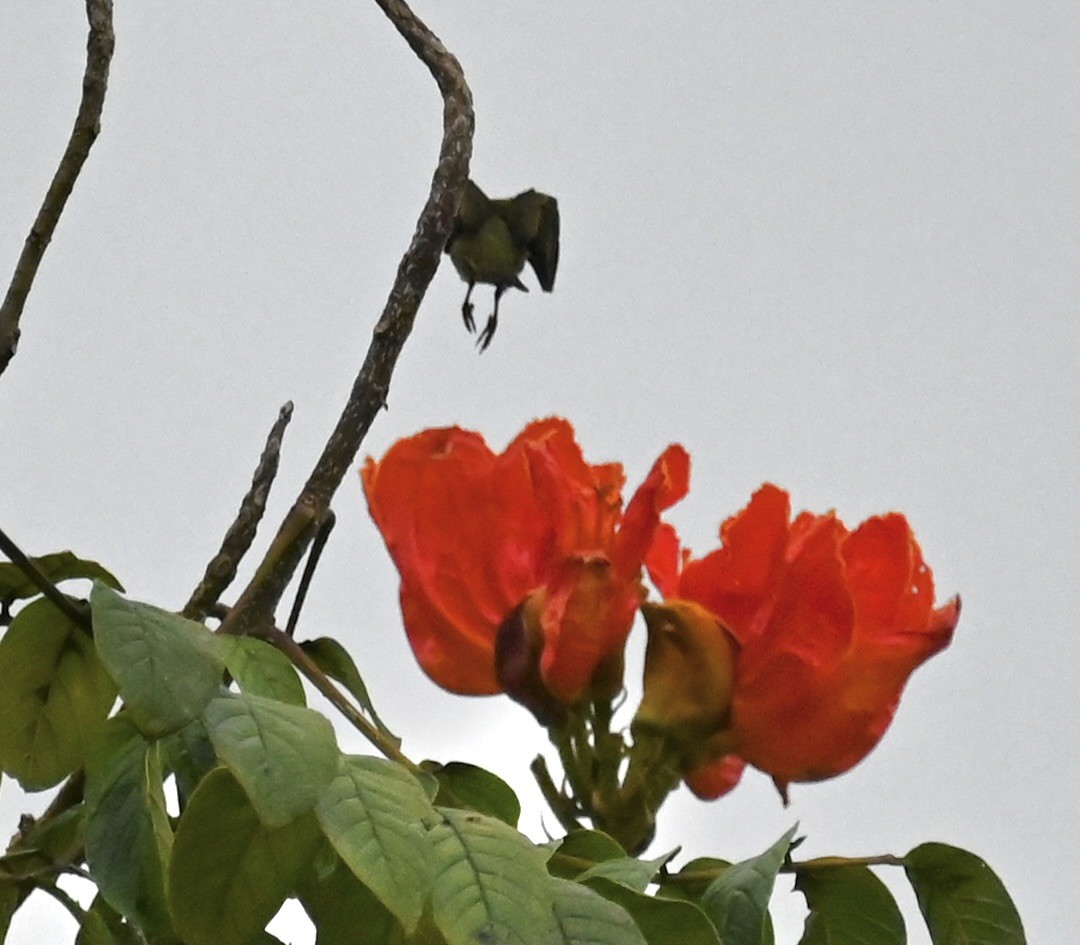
x=688, y=681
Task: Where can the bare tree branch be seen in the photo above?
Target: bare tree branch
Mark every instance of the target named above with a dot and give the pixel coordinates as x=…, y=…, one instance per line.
x=222, y=568
x=99, y=50
x=415, y=272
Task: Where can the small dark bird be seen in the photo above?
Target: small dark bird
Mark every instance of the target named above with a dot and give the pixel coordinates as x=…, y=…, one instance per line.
x=491, y=241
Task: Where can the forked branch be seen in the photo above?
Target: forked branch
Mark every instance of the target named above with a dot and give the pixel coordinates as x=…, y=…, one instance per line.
x=256, y=605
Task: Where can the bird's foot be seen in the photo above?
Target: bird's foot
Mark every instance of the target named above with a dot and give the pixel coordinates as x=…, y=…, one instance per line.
x=487, y=334
x=466, y=315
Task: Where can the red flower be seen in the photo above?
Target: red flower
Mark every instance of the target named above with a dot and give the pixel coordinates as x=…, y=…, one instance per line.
x=530, y=546
x=827, y=626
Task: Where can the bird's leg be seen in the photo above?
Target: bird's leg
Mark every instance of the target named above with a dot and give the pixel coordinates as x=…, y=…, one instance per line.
x=492, y=323
x=467, y=310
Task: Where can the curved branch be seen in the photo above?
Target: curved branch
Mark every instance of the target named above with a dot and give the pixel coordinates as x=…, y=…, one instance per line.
x=99, y=50
x=415, y=272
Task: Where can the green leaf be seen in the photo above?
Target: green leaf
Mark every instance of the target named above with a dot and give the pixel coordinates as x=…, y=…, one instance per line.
x=263, y=670
x=693, y=879
x=54, y=696
x=661, y=921
x=229, y=872
x=345, y=912
x=283, y=755
x=334, y=660
x=372, y=813
x=167, y=668
x=9, y=902
x=582, y=849
x=962, y=900
x=628, y=870
x=849, y=905
x=491, y=885
x=586, y=918
x=737, y=901
x=127, y=832
x=468, y=787
x=58, y=567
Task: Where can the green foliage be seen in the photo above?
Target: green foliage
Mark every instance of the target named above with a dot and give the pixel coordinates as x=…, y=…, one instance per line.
x=262, y=670
x=661, y=921
x=628, y=870
x=346, y=912
x=586, y=918
x=737, y=902
x=334, y=660
x=962, y=900
x=230, y=872
x=848, y=905
x=491, y=884
x=377, y=854
x=54, y=696
x=166, y=667
x=127, y=834
x=467, y=786
x=57, y=568
x=580, y=849
x=103, y=925
x=284, y=755
x=372, y=813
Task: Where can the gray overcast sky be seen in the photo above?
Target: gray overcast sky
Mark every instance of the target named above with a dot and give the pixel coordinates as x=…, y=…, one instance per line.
x=832, y=245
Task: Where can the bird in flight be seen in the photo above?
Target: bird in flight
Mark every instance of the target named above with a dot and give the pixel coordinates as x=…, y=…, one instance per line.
x=492, y=240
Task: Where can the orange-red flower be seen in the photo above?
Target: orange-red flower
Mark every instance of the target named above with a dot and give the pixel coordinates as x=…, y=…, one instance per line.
x=530, y=546
x=826, y=625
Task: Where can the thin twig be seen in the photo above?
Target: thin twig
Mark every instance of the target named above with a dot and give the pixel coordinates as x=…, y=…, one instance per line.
x=62, y=602
x=317, y=546
x=222, y=568
x=99, y=50
x=368, y=396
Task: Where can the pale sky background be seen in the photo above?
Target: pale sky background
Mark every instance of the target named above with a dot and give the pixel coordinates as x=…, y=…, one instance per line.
x=830, y=245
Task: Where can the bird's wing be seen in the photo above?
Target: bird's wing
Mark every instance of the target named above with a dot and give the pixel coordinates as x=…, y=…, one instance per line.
x=472, y=212
x=543, y=245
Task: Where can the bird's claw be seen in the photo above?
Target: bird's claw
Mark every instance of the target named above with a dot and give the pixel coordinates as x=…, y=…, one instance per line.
x=487, y=334
x=466, y=315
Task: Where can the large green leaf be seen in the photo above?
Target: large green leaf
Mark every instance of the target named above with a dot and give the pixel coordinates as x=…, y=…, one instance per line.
x=491, y=885
x=126, y=831
x=345, y=912
x=283, y=755
x=262, y=670
x=962, y=900
x=166, y=667
x=334, y=660
x=585, y=917
x=737, y=902
x=54, y=696
x=230, y=872
x=628, y=870
x=467, y=786
x=58, y=567
x=849, y=905
x=372, y=813
x=661, y=921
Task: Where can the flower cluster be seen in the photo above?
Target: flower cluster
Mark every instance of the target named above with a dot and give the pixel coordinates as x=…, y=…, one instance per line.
x=787, y=648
